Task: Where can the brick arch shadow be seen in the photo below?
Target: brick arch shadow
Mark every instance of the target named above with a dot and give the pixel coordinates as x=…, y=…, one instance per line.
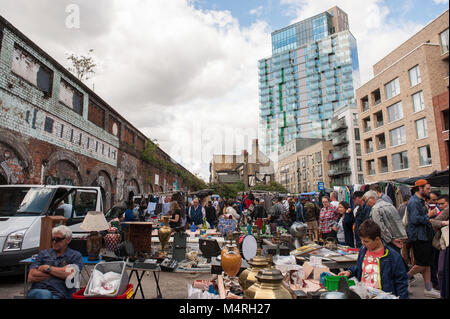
x=108, y=202
x=18, y=145
x=66, y=156
x=137, y=181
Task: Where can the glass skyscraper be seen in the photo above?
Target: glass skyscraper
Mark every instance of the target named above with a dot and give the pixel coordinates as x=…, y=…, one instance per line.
x=313, y=72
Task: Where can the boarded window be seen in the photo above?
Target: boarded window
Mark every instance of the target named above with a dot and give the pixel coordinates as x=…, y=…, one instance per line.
x=71, y=97
x=48, y=126
x=96, y=114
x=129, y=136
x=31, y=70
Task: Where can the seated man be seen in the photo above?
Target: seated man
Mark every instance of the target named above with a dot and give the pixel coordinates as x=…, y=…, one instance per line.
x=52, y=266
x=379, y=266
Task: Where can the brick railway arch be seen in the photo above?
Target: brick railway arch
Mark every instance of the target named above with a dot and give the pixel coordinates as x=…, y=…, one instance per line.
x=102, y=176
x=16, y=163
x=64, y=157
x=132, y=187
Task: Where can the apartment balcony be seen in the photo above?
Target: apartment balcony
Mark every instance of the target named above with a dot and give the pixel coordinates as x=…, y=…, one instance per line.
x=338, y=125
x=345, y=170
x=340, y=140
x=337, y=156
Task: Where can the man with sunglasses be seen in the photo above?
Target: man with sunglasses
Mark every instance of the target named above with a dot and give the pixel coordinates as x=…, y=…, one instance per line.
x=52, y=267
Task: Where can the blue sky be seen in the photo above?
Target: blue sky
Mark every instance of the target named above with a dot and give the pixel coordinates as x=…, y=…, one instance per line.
x=279, y=15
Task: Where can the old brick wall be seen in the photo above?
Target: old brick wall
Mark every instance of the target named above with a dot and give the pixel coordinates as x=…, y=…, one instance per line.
x=54, y=129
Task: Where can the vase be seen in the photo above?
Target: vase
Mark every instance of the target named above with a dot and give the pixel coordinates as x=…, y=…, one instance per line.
x=164, y=235
x=268, y=286
x=112, y=240
x=248, y=276
x=231, y=261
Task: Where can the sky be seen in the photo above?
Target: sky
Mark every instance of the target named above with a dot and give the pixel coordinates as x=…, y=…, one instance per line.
x=184, y=72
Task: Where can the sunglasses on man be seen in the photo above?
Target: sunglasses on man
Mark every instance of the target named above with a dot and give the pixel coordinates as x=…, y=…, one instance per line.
x=58, y=239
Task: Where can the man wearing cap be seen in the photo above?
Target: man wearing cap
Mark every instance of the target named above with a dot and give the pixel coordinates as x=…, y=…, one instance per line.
x=420, y=234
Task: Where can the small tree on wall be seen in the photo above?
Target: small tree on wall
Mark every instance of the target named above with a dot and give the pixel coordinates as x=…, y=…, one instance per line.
x=82, y=66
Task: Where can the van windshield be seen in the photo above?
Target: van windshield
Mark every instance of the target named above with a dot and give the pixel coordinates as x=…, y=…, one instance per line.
x=24, y=200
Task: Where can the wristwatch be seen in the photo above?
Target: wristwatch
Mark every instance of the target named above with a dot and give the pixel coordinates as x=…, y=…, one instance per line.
x=49, y=268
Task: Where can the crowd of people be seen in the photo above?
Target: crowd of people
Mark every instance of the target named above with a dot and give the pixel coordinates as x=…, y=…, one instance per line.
x=395, y=243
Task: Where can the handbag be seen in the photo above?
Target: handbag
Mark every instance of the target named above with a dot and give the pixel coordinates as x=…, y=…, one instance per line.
x=444, y=238
x=405, y=218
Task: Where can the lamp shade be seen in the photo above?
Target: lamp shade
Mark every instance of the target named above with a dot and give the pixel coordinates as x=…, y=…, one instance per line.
x=94, y=221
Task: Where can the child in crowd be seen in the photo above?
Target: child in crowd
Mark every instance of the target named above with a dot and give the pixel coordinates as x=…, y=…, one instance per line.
x=377, y=266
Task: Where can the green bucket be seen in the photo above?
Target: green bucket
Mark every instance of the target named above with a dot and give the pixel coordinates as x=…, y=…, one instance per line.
x=332, y=282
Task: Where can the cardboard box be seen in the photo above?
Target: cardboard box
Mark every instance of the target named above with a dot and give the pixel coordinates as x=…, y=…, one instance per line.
x=314, y=271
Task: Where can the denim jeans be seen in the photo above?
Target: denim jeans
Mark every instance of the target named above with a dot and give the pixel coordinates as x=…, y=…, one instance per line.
x=41, y=294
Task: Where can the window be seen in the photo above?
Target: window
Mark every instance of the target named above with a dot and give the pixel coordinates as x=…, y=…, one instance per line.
x=425, y=155
x=366, y=124
x=414, y=76
x=400, y=160
x=383, y=164
x=31, y=70
x=48, y=126
x=379, y=119
x=376, y=96
x=360, y=179
x=381, y=142
x=71, y=97
x=365, y=103
x=421, y=128
x=358, y=149
x=398, y=136
x=445, y=119
x=359, y=164
x=395, y=112
x=392, y=88
x=369, y=146
x=357, y=136
x=418, y=101
x=371, y=167
x=444, y=41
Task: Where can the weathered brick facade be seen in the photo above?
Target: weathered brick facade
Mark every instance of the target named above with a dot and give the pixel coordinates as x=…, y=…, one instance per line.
x=54, y=129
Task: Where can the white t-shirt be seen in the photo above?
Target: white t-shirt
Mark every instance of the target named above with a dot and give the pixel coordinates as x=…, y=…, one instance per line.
x=334, y=203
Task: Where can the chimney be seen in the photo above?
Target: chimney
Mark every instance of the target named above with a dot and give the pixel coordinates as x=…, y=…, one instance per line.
x=255, y=149
x=245, y=153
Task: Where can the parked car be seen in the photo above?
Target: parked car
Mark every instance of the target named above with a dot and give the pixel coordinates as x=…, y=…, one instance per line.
x=22, y=208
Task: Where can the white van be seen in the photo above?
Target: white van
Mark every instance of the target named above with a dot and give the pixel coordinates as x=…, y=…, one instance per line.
x=22, y=208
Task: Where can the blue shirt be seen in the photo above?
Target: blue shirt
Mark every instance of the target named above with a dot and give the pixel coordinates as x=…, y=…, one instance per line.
x=56, y=285
x=419, y=226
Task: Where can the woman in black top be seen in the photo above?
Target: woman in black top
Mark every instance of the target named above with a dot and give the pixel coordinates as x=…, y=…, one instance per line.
x=175, y=219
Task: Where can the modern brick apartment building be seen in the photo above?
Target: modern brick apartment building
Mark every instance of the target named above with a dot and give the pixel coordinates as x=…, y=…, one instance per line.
x=403, y=110
x=302, y=171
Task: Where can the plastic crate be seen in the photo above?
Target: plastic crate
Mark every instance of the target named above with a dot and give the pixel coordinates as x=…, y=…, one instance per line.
x=128, y=294
x=105, y=267
x=332, y=282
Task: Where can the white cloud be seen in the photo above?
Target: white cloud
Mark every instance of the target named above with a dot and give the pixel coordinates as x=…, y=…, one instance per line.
x=257, y=11
x=440, y=1
x=376, y=34
x=169, y=69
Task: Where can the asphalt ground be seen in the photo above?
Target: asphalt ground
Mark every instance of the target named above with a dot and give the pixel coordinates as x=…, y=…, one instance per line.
x=172, y=285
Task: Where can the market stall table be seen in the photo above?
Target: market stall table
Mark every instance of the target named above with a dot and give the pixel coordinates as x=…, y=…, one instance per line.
x=140, y=272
